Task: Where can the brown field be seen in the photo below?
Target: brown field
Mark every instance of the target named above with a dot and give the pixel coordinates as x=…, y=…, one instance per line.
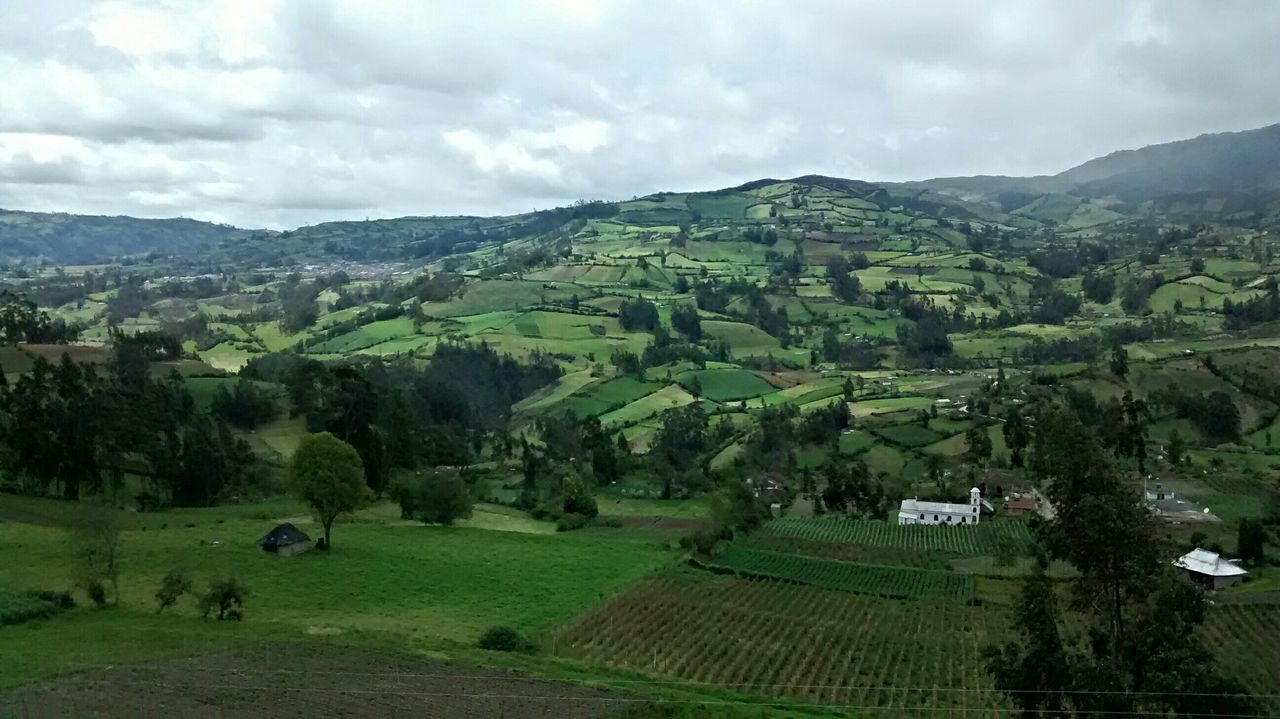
x=306, y=681
x=795, y=642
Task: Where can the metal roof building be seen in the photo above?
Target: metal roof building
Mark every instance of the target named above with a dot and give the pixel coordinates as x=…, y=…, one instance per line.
x=1210, y=568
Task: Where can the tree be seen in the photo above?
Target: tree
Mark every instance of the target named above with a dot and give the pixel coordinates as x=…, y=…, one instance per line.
x=684, y=318
x=226, y=596
x=434, y=497
x=1141, y=653
x=1177, y=447
x=172, y=587
x=1251, y=538
x=327, y=474
x=979, y=443
x=577, y=498
x=1197, y=266
x=1033, y=669
x=98, y=531
x=1119, y=361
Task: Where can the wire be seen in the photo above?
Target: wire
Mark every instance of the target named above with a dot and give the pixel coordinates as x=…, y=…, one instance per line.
x=637, y=700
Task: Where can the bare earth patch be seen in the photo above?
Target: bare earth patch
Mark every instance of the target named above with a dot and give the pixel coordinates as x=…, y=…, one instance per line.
x=305, y=680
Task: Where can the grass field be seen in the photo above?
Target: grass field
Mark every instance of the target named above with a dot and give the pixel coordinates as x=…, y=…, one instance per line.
x=447, y=583
x=723, y=385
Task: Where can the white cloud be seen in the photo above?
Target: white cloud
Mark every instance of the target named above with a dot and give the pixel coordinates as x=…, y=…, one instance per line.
x=282, y=112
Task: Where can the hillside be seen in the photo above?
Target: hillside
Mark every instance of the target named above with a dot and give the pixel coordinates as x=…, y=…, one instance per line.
x=76, y=239
x=1228, y=177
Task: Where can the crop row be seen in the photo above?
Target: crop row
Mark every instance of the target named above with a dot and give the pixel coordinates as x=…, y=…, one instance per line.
x=1246, y=640
x=1008, y=537
x=787, y=640
x=884, y=581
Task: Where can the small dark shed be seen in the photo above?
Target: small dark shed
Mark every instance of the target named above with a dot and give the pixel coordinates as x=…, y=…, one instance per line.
x=285, y=540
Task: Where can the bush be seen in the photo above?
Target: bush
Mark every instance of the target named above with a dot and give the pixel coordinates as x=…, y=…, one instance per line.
x=571, y=521
x=97, y=592
x=505, y=639
x=172, y=587
x=435, y=498
x=16, y=608
x=578, y=498
x=225, y=595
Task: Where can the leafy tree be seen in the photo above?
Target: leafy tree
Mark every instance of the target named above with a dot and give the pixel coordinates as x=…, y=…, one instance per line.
x=979, y=444
x=172, y=587
x=434, y=497
x=1016, y=435
x=684, y=318
x=577, y=498
x=638, y=314
x=245, y=406
x=327, y=474
x=1197, y=265
x=845, y=285
x=226, y=596
x=1141, y=653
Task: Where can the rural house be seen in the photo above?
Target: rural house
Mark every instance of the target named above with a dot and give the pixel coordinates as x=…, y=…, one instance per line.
x=1210, y=568
x=913, y=511
x=285, y=540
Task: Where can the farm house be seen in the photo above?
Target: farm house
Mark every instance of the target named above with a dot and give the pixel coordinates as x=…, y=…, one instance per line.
x=913, y=511
x=1210, y=569
x=285, y=540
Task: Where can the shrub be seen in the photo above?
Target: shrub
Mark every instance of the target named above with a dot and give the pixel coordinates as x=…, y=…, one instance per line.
x=226, y=596
x=97, y=592
x=172, y=587
x=439, y=497
x=570, y=522
x=505, y=639
x=16, y=608
x=578, y=498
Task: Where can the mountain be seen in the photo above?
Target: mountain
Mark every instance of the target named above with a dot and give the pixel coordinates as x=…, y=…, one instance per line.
x=1224, y=162
x=1227, y=177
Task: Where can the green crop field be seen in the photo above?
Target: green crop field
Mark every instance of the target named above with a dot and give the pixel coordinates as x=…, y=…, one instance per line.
x=1000, y=537
x=723, y=385
x=899, y=582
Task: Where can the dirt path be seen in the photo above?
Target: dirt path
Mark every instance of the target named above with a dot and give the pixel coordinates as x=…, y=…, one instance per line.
x=306, y=681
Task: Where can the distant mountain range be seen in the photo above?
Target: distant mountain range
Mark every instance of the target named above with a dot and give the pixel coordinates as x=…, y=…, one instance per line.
x=1230, y=178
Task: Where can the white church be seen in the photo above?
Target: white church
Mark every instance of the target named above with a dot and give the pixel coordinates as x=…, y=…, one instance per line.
x=913, y=511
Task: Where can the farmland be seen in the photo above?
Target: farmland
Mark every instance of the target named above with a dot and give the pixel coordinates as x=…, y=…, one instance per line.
x=794, y=641
x=987, y=538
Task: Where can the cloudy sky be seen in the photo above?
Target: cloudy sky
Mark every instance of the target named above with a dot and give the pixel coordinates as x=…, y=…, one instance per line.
x=269, y=113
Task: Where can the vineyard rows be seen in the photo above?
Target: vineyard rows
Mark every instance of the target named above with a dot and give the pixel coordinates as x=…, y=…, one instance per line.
x=1246, y=640
x=1009, y=537
x=787, y=640
x=900, y=582
x=843, y=552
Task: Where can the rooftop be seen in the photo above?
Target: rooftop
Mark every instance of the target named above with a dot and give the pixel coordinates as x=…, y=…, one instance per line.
x=1202, y=561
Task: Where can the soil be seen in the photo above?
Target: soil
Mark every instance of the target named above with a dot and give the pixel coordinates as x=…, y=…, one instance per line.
x=306, y=680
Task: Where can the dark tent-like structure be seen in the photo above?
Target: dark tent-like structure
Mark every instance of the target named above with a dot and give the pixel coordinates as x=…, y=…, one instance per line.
x=286, y=540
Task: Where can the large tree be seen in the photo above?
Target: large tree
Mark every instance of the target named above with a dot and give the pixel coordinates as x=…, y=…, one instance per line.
x=327, y=474
x=1133, y=648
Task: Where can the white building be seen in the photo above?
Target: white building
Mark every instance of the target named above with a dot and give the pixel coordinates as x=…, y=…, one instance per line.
x=913, y=511
x=1210, y=569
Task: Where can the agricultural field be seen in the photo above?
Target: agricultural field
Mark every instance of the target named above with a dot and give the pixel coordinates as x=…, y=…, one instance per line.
x=793, y=641
x=999, y=537
x=892, y=582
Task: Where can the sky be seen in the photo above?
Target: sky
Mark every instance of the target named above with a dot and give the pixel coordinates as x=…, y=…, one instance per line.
x=279, y=113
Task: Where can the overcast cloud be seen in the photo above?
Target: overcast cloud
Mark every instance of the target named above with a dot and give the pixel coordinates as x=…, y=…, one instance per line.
x=276, y=114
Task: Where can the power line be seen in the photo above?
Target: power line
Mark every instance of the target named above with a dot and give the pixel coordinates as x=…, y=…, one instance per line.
x=636, y=700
